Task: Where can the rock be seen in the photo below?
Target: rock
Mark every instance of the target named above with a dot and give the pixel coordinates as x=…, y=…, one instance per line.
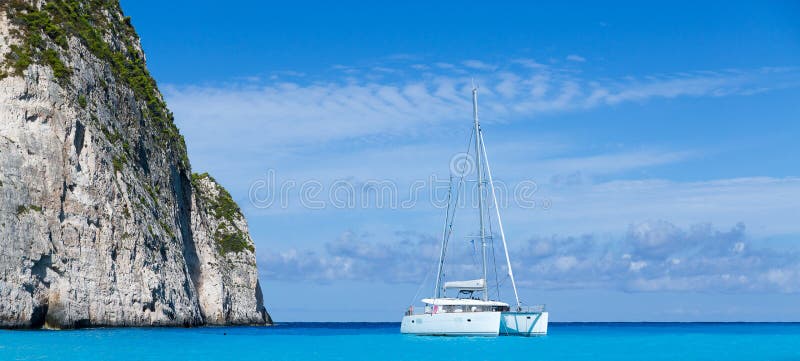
x=101, y=220
x=225, y=258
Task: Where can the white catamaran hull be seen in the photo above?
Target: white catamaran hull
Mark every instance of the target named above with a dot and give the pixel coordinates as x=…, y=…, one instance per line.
x=477, y=324
x=523, y=323
x=453, y=324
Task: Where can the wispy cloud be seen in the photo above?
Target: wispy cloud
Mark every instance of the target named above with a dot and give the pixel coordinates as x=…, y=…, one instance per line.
x=528, y=63
x=478, y=65
x=586, y=206
x=611, y=163
x=443, y=65
x=317, y=111
x=576, y=58
x=307, y=132
x=313, y=127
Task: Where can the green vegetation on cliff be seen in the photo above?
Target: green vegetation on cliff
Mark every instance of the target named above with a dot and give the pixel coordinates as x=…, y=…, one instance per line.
x=44, y=36
x=48, y=34
x=228, y=236
x=22, y=209
x=232, y=241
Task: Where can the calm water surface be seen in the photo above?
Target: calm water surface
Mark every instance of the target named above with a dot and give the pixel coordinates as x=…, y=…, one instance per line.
x=382, y=341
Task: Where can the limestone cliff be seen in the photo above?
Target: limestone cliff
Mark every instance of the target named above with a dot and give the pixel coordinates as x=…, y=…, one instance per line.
x=101, y=221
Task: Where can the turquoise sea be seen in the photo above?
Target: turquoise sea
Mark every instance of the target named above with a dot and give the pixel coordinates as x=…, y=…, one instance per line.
x=382, y=341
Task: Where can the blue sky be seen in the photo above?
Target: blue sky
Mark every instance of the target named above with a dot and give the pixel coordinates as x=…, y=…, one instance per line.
x=661, y=139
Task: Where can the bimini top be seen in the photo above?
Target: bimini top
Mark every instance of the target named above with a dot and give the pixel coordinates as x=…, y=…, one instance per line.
x=461, y=302
x=470, y=285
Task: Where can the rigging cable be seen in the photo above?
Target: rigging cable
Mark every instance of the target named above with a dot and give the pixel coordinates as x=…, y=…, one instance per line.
x=427, y=274
x=494, y=259
x=452, y=215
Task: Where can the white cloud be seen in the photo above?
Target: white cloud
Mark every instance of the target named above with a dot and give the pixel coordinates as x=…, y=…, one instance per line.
x=309, y=128
x=478, y=65
x=252, y=115
x=529, y=63
x=576, y=58
x=508, y=85
x=641, y=260
x=611, y=162
x=638, y=265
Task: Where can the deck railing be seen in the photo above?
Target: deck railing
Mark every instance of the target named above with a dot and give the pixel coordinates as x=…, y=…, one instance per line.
x=530, y=309
x=524, y=309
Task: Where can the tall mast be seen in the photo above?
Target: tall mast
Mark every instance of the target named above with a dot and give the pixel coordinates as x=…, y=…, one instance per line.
x=480, y=187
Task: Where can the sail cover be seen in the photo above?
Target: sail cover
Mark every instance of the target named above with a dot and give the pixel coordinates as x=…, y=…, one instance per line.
x=470, y=285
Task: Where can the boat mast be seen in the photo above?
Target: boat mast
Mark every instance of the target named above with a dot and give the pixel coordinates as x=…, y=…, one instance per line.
x=478, y=161
x=500, y=223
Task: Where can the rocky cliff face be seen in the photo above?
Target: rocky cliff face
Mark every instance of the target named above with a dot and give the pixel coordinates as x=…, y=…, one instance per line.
x=101, y=221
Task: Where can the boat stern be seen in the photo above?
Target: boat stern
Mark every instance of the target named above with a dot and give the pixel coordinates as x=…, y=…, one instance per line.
x=524, y=323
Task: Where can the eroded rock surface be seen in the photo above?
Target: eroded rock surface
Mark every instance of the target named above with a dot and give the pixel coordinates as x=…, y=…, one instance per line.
x=101, y=220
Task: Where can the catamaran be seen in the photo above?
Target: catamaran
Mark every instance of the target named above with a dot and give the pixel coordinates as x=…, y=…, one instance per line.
x=470, y=311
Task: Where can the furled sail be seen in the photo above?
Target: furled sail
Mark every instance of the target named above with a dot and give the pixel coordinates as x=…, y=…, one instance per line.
x=470, y=285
